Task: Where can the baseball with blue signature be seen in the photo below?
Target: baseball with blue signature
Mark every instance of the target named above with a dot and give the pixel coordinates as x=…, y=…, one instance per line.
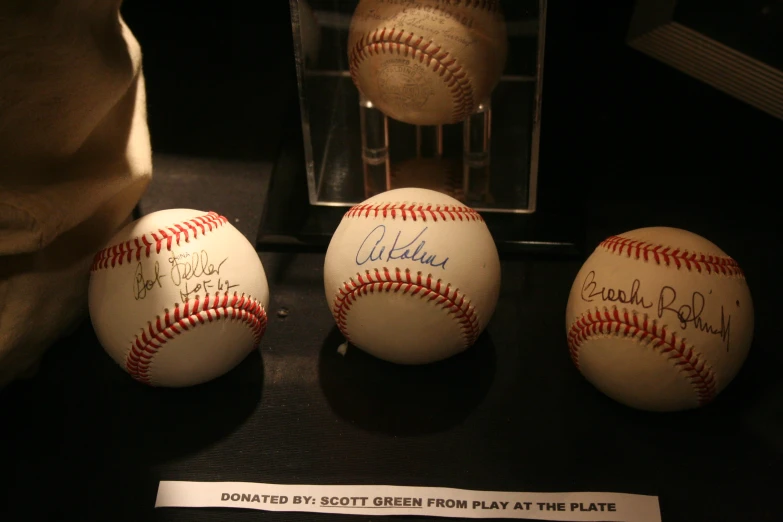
x=412, y=276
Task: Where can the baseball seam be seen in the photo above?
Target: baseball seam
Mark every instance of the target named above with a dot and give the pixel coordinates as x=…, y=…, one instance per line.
x=194, y=312
x=390, y=41
x=162, y=238
x=647, y=332
x=670, y=256
x=434, y=291
x=414, y=211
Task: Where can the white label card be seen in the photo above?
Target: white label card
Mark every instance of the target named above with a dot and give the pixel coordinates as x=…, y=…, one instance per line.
x=403, y=500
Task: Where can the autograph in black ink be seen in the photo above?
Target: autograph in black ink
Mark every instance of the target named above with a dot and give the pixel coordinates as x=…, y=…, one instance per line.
x=372, y=250
x=689, y=314
x=186, y=267
x=590, y=290
x=189, y=272
x=142, y=285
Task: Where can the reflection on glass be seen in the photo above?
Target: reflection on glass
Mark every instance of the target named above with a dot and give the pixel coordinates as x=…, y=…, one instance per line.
x=375, y=148
x=432, y=173
x=476, y=154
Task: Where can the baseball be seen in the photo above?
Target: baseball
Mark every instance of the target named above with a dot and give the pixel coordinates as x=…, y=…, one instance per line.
x=412, y=276
x=427, y=62
x=178, y=297
x=659, y=319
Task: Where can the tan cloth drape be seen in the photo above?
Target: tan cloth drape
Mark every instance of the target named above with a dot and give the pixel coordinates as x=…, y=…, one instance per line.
x=74, y=160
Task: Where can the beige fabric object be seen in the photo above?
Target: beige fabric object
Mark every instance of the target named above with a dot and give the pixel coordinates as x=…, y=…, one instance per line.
x=75, y=159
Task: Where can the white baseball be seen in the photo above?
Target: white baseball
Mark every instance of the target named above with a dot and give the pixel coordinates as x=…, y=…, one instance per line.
x=412, y=276
x=659, y=319
x=178, y=297
x=427, y=62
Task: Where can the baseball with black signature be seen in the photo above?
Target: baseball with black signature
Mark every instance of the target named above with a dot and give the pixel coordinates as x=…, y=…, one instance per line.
x=659, y=319
x=178, y=297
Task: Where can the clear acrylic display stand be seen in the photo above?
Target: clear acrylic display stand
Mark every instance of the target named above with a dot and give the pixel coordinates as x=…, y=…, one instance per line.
x=469, y=183
x=339, y=149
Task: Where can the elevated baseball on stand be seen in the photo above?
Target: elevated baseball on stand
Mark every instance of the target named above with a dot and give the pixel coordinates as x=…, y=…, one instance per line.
x=412, y=276
x=178, y=297
x=659, y=319
x=428, y=62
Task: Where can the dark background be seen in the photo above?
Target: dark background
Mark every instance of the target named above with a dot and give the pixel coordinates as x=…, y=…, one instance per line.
x=752, y=27
x=642, y=143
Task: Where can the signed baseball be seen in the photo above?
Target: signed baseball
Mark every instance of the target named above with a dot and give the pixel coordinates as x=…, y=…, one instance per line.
x=659, y=319
x=178, y=297
x=412, y=276
x=427, y=62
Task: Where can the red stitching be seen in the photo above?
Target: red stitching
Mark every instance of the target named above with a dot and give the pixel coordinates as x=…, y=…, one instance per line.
x=383, y=41
x=193, y=313
x=414, y=211
x=157, y=240
x=667, y=255
x=614, y=322
x=424, y=287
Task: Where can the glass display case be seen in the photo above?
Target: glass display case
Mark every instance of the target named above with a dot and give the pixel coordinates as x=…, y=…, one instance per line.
x=353, y=150
x=347, y=146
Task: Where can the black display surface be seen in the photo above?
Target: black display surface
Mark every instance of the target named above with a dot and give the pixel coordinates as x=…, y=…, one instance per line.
x=83, y=441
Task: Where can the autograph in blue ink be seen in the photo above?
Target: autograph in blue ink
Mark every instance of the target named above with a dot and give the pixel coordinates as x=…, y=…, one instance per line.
x=372, y=249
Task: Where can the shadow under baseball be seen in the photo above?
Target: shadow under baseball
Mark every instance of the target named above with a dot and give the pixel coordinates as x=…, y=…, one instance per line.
x=404, y=400
x=81, y=395
x=83, y=428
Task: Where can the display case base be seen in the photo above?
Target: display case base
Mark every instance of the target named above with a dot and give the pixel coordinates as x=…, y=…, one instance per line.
x=289, y=222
